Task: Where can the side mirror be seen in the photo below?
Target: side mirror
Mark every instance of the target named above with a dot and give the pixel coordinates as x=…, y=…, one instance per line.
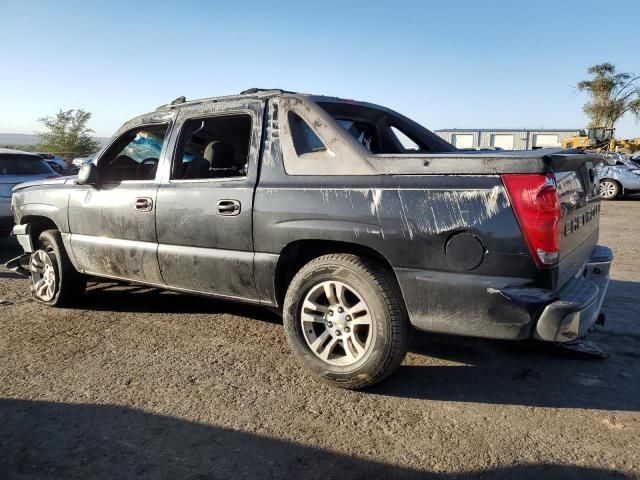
x=88, y=174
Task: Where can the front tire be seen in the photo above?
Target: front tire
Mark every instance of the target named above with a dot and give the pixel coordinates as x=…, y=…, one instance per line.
x=609, y=189
x=345, y=320
x=54, y=280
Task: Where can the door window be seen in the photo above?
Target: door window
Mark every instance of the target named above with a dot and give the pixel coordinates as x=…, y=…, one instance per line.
x=214, y=147
x=134, y=156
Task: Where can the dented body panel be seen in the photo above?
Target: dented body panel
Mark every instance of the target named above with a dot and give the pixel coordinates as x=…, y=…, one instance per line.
x=441, y=219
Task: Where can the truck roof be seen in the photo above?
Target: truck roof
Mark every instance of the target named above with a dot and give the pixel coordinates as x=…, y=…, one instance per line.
x=249, y=93
x=262, y=93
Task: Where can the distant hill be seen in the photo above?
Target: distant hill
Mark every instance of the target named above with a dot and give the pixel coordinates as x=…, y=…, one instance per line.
x=24, y=139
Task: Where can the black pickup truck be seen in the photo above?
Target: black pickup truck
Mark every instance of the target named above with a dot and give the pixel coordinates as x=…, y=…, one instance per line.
x=353, y=220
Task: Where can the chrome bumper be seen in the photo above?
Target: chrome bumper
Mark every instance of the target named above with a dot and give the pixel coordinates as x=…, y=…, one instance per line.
x=578, y=305
x=21, y=232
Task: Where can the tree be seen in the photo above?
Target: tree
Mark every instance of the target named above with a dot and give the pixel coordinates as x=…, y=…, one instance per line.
x=612, y=95
x=68, y=134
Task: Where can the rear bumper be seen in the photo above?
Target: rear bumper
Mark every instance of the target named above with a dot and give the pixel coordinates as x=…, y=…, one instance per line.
x=506, y=307
x=578, y=305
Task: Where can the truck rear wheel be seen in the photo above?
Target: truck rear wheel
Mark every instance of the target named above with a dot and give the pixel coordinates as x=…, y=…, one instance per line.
x=54, y=280
x=345, y=320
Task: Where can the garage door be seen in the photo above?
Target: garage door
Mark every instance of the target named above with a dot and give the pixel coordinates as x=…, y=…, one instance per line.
x=545, y=140
x=502, y=141
x=463, y=140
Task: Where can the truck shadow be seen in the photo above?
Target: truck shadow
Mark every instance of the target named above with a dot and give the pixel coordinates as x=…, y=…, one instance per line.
x=531, y=373
x=48, y=440
x=122, y=297
x=496, y=372
x=490, y=371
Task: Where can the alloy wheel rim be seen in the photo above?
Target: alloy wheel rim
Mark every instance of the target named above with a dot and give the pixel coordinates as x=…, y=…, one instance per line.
x=607, y=189
x=43, y=275
x=336, y=323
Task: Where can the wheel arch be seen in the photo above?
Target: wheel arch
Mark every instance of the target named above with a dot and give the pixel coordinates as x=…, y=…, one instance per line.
x=300, y=252
x=37, y=225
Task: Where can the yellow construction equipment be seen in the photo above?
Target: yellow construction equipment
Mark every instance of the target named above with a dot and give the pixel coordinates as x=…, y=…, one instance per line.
x=601, y=139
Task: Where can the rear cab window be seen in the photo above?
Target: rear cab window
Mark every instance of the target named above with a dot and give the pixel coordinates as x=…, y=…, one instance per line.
x=382, y=131
x=330, y=136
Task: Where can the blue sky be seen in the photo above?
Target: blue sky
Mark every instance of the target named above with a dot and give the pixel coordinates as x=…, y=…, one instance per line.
x=445, y=64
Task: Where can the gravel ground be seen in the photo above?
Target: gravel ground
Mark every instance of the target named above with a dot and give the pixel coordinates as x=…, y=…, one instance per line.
x=141, y=383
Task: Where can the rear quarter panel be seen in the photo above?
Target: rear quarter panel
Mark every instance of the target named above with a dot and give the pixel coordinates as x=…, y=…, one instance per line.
x=407, y=219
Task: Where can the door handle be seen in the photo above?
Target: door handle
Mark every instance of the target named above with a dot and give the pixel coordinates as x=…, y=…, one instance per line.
x=144, y=204
x=228, y=207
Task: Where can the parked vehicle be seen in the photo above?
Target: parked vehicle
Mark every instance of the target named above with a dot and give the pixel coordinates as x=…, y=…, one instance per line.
x=313, y=206
x=618, y=176
x=17, y=167
x=56, y=162
x=77, y=162
x=601, y=139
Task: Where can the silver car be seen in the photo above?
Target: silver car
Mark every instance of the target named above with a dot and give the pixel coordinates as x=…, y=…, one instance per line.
x=18, y=167
x=618, y=175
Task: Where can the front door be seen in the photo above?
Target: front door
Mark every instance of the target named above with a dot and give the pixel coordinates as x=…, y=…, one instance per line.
x=112, y=223
x=204, y=206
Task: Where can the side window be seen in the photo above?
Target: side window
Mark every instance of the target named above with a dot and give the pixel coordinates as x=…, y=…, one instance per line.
x=134, y=156
x=213, y=147
x=405, y=142
x=304, y=139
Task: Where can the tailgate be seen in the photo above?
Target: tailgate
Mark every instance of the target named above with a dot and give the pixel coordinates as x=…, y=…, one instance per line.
x=580, y=209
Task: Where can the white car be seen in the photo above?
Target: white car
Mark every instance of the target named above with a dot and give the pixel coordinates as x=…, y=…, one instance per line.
x=18, y=167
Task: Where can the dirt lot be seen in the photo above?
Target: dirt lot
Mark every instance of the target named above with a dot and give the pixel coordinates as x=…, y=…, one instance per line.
x=140, y=383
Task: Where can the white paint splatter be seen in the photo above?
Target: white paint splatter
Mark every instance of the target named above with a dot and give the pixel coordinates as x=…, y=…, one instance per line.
x=448, y=210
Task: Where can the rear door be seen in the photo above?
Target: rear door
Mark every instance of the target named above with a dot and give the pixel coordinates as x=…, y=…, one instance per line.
x=205, y=202
x=113, y=223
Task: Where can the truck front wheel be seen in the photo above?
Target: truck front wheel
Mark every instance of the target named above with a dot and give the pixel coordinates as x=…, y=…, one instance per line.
x=345, y=320
x=54, y=280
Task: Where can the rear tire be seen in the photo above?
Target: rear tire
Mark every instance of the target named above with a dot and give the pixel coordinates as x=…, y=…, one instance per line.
x=344, y=318
x=609, y=189
x=54, y=279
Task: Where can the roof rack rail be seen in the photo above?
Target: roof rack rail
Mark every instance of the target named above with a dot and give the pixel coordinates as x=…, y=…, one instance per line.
x=178, y=101
x=250, y=91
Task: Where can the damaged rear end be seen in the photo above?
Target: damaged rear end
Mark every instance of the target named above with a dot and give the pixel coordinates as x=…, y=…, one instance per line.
x=558, y=214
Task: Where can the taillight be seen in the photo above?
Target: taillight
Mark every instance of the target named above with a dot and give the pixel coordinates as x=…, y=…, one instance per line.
x=535, y=201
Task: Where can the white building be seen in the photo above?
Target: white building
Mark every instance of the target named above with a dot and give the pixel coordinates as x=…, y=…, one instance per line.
x=506, y=139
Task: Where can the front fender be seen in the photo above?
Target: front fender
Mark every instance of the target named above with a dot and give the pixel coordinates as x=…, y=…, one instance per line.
x=50, y=202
